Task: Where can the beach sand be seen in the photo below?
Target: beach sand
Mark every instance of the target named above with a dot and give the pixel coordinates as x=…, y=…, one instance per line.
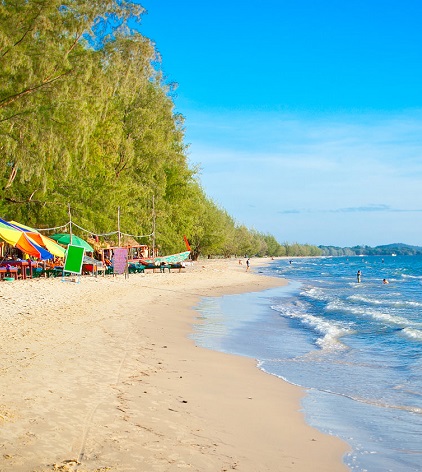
x=101, y=376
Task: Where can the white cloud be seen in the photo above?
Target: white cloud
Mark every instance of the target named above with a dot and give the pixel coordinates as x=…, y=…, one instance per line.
x=262, y=166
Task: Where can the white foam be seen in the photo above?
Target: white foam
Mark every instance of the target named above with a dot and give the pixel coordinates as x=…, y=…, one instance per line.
x=315, y=293
x=338, y=305
x=387, y=318
x=331, y=332
x=374, y=301
x=413, y=333
x=407, y=276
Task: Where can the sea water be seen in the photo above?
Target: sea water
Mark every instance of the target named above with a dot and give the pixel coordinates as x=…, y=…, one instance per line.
x=355, y=347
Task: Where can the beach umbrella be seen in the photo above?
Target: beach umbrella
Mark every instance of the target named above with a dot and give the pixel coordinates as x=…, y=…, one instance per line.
x=20, y=240
x=64, y=238
x=40, y=239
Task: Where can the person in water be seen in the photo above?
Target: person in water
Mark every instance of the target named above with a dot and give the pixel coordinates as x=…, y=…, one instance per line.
x=385, y=281
x=358, y=276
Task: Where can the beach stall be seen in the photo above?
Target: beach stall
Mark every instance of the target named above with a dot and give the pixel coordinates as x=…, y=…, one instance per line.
x=135, y=252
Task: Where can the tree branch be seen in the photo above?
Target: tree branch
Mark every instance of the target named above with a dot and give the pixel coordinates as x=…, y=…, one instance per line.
x=8, y=100
x=24, y=202
x=12, y=176
x=14, y=116
x=74, y=44
x=30, y=28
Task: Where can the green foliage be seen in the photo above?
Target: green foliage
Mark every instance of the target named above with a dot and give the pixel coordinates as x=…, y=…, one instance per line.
x=386, y=250
x=87, y=120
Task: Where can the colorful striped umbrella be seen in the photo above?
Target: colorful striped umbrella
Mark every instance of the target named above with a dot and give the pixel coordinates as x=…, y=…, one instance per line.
x=19, y=239
x=41, y=239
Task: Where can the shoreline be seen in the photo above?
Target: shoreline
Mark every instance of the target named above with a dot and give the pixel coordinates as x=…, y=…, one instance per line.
x=102, y=375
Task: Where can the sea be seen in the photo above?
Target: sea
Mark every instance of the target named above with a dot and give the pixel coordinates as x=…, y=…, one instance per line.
x=356, y=348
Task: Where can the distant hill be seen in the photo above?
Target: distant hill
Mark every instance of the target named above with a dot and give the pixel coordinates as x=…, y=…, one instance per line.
x=399, y=249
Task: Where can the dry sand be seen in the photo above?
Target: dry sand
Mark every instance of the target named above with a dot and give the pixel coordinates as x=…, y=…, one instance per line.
x=101, y=376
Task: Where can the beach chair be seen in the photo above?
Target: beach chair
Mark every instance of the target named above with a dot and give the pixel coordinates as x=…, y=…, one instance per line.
x=36, y=272
x=13, y=272
x=178, y=266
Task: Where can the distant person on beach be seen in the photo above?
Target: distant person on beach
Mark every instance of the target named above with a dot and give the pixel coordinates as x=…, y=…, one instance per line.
x=240, y=261
x=385, y=281
x=247, y=264
x=358, y=276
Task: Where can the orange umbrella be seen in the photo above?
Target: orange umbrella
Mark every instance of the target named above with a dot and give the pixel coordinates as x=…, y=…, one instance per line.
x=19, y=239
x=40, y=239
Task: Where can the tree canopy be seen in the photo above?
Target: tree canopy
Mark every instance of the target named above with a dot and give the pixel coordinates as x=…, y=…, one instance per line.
x=87, y=120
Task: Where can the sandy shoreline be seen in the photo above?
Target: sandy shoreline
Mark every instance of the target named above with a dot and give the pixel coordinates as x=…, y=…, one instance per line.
x=100, y=376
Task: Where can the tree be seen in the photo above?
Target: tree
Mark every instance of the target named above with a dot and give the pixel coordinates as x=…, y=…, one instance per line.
x=87, y=121
x=44, y=55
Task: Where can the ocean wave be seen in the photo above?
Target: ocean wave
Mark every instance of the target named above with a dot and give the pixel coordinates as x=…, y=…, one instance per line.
x=375, y=301
x=330, y=333
x=380, y=403
x=373, y=401
x=408, y=276
x=376, y=315
x=315, y=293
x=412, y=333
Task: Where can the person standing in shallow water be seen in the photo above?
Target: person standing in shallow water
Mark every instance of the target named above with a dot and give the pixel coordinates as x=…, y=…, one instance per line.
x=358, y=276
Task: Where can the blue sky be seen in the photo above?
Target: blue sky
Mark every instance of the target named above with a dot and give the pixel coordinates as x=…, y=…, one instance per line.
x=304, y=117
